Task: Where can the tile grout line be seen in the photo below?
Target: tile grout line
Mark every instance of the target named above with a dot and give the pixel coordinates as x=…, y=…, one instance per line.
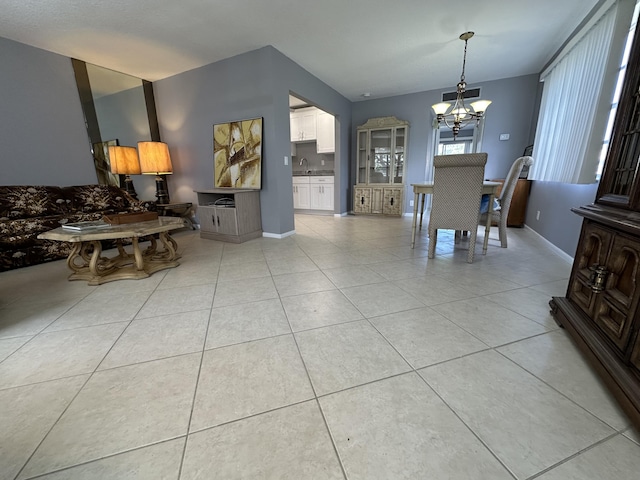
x=197, y=382
x=489, y=449
x=91, y=374
x=576, y=454
x=415, y=371
x=64, y=410
x=315, y=393
x=105, y=457
x=554, y=388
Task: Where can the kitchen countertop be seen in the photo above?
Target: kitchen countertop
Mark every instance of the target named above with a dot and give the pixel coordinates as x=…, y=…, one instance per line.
x=313, y=173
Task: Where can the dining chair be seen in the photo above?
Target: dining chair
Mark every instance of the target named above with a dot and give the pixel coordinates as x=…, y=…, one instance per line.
x=457, y=189
x=504, y=200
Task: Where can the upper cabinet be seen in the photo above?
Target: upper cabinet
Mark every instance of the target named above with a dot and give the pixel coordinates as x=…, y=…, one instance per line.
x=325, y=132
x=382, y=151
x=312, y=124
x=303, y=124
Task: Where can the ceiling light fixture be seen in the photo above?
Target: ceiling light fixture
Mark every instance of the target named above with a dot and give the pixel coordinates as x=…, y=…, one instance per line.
x=458, y=115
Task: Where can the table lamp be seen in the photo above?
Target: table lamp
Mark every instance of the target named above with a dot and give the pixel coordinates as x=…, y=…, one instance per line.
x=155, y=160
x=124, y=161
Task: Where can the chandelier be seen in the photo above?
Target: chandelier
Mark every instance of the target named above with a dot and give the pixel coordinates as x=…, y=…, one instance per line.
x=458, y=115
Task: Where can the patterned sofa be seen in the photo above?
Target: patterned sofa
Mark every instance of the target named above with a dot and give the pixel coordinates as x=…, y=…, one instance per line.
x=27, y=211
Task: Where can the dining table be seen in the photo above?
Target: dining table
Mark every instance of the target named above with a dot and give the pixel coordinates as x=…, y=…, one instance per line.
x=421, y=190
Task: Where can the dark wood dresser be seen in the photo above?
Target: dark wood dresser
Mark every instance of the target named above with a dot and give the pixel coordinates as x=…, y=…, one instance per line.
x=518, y=208
x=601, y=310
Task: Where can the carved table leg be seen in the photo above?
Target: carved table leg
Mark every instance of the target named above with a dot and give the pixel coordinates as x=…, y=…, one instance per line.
x=170, y=246
x=137, y=254
x=76, y=251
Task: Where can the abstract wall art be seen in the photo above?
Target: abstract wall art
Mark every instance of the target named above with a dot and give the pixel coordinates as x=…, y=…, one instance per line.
x=237, y=154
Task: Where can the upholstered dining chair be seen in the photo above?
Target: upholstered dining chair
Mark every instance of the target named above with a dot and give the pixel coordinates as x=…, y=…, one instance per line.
x=457, y=190
x=504, y=200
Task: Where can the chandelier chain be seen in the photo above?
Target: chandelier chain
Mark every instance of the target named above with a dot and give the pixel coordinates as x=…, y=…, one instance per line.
x=464, y=61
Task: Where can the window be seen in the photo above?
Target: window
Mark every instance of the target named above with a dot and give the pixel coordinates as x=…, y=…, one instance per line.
x=618, y=90
x=454, y=147
x=571, y=97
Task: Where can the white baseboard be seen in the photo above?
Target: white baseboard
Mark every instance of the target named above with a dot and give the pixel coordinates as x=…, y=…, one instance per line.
x=278, y=235
x=561, y=253
x=343, y=214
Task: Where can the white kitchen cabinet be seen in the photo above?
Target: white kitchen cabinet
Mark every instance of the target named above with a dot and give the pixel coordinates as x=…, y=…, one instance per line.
x=313, y=192
x=321, y=192
x=303, y=124
x=301, y=193
x=325, y=132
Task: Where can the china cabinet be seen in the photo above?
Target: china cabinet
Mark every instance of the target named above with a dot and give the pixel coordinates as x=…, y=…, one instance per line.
x=380, y=166
x=601, y=309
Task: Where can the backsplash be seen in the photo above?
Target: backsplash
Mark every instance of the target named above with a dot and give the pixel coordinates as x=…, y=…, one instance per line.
x=314, y=160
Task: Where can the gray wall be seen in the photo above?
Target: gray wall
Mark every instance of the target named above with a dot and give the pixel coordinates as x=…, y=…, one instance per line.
x=514, y=100
x=289, y=78
x=42, y=132
x=554, y=202
x=254, y=84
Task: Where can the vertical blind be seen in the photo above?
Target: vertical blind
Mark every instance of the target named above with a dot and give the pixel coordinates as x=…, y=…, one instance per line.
x=569, y=101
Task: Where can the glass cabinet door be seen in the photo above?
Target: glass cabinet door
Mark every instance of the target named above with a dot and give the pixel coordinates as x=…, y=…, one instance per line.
x=620, y=183
x=380, y=156
x=398, y=160
x=362, y=157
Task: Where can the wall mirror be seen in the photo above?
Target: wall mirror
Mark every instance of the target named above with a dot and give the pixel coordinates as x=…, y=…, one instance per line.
x=119, y=110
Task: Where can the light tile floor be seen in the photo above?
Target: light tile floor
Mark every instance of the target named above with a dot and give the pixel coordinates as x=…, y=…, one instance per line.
x=336, y=353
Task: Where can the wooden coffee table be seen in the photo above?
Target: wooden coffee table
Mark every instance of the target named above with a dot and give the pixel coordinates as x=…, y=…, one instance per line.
x=87, y=262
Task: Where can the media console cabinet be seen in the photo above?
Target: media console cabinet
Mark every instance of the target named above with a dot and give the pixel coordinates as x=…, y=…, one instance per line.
x=229, y=214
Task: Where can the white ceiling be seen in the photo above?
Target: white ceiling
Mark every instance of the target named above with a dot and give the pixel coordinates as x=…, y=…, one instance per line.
x=381, y=47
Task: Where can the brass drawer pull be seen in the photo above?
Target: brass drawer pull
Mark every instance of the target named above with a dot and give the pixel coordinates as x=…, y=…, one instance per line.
x=598, y=278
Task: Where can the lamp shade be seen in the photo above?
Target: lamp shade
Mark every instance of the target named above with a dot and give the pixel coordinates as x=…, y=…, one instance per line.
x=154, y=158
x=480, y=105
x=440, y=108
x=124, y=160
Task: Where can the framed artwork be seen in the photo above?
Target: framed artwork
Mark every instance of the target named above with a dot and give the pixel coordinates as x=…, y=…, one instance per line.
x=237, y=154
x=103, y=165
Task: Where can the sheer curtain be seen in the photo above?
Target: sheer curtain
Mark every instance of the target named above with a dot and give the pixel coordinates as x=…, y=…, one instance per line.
x=569, y=101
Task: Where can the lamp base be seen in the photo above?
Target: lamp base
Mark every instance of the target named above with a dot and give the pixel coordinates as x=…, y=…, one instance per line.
x=162, y=194
x=128, y=186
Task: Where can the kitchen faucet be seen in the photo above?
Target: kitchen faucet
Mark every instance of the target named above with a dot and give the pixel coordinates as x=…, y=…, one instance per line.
x=302, y=160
